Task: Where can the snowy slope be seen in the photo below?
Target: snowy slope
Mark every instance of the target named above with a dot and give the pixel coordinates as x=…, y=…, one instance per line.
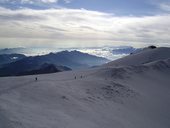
x=142, y=57
x=104, y=97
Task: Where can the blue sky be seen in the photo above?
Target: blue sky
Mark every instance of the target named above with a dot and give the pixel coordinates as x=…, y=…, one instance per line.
x=69, y=23
x=118, y=7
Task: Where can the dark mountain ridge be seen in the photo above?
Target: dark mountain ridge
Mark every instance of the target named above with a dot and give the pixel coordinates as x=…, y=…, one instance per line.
x=71, y=60
x=45, y=69
x=9, y=58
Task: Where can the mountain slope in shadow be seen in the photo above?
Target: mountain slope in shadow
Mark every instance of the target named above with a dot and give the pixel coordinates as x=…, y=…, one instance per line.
x=71, y=60
x=9, y=58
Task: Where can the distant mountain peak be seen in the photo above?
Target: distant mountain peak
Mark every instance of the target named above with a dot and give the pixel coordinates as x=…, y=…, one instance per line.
x=66, y=60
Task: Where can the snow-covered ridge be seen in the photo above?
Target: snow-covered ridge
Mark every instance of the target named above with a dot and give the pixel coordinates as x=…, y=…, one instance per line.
x=142, y=57
x=121, y=72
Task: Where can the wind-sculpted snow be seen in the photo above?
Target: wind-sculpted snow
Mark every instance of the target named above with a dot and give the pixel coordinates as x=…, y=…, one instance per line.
x=131, y=96
x=161, y=64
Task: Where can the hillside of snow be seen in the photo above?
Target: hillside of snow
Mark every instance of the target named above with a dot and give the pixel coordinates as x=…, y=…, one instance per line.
x=142, y=57
x=133, y=95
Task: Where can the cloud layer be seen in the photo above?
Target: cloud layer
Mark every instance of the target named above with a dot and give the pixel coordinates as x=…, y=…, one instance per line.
x=81, y=25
